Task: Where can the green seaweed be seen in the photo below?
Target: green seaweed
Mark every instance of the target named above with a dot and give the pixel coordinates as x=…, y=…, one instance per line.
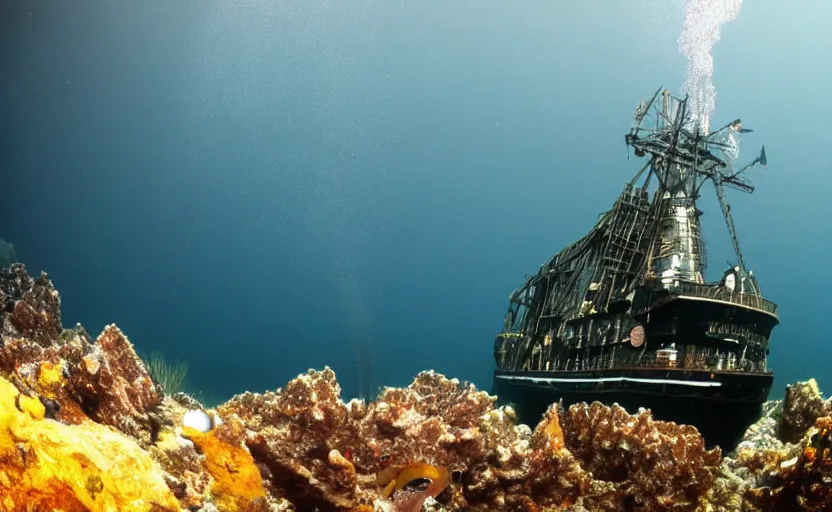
x=169, y=375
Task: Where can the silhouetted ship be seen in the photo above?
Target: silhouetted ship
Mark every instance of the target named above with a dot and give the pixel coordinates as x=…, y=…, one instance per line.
x=625, y=315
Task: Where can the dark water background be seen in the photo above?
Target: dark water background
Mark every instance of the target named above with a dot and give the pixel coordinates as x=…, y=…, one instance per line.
x=260, y=187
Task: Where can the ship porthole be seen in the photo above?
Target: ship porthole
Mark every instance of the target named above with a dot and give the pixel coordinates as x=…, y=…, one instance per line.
x=637, y=336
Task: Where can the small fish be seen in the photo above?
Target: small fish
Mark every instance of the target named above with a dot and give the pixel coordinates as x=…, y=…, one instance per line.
x=409, y=486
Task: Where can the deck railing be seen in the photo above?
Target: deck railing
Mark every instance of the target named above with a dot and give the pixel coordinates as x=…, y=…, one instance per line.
x=685, y=289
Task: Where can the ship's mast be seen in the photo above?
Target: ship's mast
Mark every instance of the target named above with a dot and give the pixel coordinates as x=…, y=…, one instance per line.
x=682, y=159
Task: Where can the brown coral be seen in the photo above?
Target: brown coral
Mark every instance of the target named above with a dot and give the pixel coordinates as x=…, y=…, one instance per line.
x=32, y=307
x=557, y=478
x=655, y=464
x=75, y=377
x=114, y=387
x=300, y=434
x=802, y=406
x=292, y=434
x=803, y=482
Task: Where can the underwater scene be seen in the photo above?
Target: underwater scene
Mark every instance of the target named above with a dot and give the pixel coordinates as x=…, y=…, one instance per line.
x=263, y=255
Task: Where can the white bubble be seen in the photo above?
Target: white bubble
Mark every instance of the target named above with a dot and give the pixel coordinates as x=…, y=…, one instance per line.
x=198, y=420
x=701, y=31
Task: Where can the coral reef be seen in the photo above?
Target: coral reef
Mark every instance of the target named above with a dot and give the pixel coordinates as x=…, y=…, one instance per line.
x=801, y=408
x=785, y=460
x=84, y=427
x=654, y=464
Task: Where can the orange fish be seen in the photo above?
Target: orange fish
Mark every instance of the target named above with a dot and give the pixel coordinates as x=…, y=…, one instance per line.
x=412, y=484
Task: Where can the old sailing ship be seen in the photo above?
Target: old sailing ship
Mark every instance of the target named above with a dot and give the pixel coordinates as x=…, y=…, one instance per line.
x=625, y=315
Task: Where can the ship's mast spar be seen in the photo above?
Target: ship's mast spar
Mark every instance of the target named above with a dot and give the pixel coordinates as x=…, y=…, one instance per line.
x=682, y=159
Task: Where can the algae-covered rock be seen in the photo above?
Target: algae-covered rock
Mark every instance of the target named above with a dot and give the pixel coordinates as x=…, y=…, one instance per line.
x=47, y=465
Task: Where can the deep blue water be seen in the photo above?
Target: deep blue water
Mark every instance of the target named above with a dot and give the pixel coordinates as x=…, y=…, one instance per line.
x=261, y=187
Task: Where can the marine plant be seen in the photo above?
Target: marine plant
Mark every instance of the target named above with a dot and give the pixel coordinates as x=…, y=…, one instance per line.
x=168, y=374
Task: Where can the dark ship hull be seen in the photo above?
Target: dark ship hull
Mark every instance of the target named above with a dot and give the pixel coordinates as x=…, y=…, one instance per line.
x=709, y=383
x=721, y=413
x=624, y=314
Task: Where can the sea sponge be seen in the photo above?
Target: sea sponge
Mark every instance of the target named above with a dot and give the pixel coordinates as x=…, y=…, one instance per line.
x=46, y=465
x=237, y=485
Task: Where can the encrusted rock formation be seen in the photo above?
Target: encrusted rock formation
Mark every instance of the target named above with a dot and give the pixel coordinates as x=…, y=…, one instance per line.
x=75, y=377
x=800, y=410
x=84, y=428
x=47, y=465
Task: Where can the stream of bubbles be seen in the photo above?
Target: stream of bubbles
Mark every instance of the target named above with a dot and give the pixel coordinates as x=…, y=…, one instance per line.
x=701, y=31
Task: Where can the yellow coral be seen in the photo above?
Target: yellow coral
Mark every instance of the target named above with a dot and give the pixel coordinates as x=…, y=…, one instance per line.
x=31, y=406
x=49, y=375
x=46, y=465
x=237, y=482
